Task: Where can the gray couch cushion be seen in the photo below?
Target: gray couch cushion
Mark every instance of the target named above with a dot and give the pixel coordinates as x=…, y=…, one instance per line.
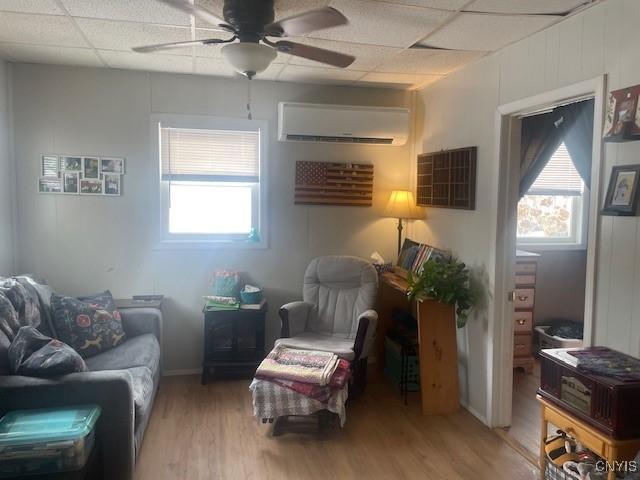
x=144, y=385
x=140, y=351
x=342, y=347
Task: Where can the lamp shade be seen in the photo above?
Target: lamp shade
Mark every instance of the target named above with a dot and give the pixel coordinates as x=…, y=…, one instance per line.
x=402, y=205
x=248, y=58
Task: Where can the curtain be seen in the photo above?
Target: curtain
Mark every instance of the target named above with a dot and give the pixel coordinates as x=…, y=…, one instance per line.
x=543, y=134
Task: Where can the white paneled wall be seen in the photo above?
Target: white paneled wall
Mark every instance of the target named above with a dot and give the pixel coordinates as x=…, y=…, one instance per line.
x=6, y=175
x=459, y=111
x=82, y=244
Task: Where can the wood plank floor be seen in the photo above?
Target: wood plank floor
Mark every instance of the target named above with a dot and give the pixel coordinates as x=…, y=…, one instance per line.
x=208, y=432
x=525, y=422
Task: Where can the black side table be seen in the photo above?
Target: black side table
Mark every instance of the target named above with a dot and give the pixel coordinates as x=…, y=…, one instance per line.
x=233, y=341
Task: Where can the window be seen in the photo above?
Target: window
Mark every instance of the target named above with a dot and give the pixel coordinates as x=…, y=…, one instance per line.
x=553, y=211
x=210, y=181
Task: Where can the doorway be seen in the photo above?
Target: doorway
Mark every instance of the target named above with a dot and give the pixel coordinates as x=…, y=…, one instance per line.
x=509, y=122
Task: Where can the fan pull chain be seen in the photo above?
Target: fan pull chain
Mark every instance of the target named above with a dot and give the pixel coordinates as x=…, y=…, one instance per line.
x=249, y=99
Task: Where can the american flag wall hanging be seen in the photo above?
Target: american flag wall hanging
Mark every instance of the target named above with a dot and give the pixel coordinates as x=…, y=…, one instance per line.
x=321, y=183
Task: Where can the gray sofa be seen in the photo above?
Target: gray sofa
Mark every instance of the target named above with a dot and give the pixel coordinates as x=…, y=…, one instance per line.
x=123, y=381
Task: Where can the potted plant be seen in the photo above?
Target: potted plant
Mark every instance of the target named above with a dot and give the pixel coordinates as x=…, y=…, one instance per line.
x=445, y=280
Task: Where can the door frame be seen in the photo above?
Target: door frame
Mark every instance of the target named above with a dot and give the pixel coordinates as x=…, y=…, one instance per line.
x=507, y=121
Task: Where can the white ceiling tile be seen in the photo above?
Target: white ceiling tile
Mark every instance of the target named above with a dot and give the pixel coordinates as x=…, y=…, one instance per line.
x=296, y=73
x=148, y=62
x=475, y=31
x=441, y=4
x=423, y=61
x=146, y=11
x=367, y=56
x=31, y=6
x=525, y=6
x=108, y=35
x=401, y=79
x=55, y=55
x=39, y=29
x=382, y=23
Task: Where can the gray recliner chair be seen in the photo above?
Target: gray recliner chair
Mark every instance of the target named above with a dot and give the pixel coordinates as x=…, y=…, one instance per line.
x=336, y=312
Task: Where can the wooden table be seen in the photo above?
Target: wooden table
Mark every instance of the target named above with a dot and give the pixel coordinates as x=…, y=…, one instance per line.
x=598, y=442
x=437, y=347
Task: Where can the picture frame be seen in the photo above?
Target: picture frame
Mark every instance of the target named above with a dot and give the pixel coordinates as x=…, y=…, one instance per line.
x=91, y=186
x=111, y=183
x=622, y=193
x=112, y=165
x=49, y=185
x=70, y=163
x=71, y=183
x=49, y=166
x=91, y=167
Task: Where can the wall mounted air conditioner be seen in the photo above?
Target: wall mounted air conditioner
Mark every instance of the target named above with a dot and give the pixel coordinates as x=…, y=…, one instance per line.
x=311, y=122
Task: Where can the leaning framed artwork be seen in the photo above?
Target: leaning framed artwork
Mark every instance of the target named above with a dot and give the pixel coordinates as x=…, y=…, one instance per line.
x=622, y=193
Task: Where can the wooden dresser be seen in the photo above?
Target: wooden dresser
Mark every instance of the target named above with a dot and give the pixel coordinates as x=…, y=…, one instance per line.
x=524, y=303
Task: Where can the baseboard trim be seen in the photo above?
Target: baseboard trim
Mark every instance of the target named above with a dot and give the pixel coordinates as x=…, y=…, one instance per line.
x=175, y=373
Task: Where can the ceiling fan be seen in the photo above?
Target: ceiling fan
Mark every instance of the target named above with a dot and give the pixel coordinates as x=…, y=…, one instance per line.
x=251, y=22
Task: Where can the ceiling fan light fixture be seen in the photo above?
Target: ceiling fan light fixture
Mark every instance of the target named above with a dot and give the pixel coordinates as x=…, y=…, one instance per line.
x=248, y=58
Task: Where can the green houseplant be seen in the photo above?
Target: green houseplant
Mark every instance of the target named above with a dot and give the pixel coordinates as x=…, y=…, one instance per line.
x=447, y=281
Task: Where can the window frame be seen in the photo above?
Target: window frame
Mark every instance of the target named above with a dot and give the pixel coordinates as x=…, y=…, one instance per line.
x=167, y=240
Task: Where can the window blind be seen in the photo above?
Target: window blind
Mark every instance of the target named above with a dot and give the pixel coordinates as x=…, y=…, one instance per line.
x=210, y=155
x=558, y=177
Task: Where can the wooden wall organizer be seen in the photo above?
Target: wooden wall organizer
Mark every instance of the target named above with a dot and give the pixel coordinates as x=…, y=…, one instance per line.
x=622, y=119
x=447, y=179
x=322, y=183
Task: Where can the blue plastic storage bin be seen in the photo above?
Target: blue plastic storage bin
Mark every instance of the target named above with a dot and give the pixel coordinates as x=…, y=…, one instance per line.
x=47, y=440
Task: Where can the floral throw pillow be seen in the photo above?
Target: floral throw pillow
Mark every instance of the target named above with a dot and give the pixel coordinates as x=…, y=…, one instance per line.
x=89, y=324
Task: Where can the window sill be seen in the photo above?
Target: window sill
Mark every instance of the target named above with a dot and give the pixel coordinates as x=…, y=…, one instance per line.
x=211, y=245
x=551, y=247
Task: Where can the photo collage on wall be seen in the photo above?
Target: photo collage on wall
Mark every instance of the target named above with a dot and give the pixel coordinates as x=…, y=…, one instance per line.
x=81, y=175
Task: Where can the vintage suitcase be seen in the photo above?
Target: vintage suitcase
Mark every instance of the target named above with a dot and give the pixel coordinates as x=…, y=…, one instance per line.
x=607, y=400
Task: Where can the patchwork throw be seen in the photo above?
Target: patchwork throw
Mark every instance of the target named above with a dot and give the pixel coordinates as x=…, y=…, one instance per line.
x=306, y=366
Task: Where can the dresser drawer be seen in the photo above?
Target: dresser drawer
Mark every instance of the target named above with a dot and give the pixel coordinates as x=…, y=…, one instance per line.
x=524, y=298
x=526, y=268
x=525, y=279
x=523, y=322
x=522, y=345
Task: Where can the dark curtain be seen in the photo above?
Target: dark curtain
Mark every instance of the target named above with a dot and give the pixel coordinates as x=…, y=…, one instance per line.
x=542, y=135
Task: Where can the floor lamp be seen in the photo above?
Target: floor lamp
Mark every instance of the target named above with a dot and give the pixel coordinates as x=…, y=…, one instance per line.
x=402, y=206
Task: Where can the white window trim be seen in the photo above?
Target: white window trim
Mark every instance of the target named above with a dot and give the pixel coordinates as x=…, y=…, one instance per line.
x=167, y=241
x=581, y=225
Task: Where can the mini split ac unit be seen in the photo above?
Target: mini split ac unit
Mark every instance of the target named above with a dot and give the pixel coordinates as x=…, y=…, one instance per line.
x=310, y=122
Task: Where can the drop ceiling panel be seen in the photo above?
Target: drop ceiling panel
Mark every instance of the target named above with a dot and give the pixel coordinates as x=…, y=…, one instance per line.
x=39, y=29
x=485, y=32
x=108, y=35
x=441, y=4
x=54, y=55
x=525, y=6
x=31, y=6
x=149, y=62
x=423, y=61
x=367, y=56
x=296, y=73
x=147, y=11
x=384, y=24
x=404, y=79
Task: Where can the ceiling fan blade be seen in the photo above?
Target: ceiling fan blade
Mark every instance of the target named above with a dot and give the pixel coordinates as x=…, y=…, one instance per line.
x=197, y=11
x=306, y=22
x=314, y=53
x=172, y=45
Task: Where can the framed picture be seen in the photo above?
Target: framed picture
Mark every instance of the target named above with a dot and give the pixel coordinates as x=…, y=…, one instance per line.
x=49, y=167
x=71, y=164
x=91, y=186
x=49, y=185
x=111, y=183
x=622, y=194
x=70, y=182
x=90, y=167
x=112, y=165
